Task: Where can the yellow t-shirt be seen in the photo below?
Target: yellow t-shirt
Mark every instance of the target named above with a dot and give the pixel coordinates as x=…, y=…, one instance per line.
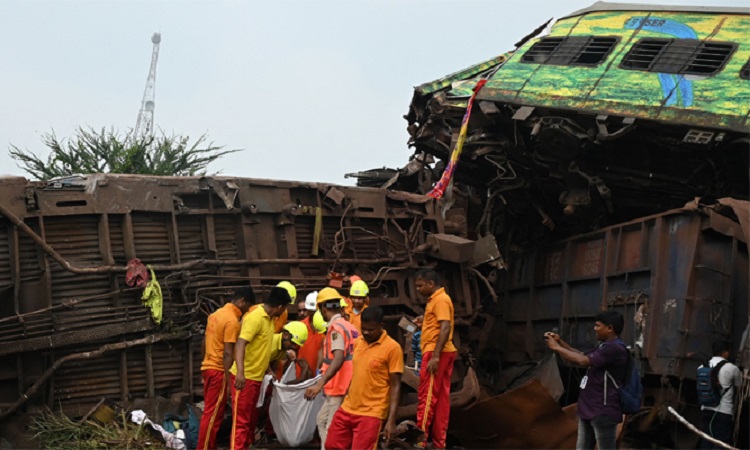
x=439, y=308
x=257, y=330
x=278, y=322
x=276, y=352
x=370, y=391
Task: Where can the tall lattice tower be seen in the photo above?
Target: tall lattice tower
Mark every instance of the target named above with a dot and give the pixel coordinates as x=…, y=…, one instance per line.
x=144, y=126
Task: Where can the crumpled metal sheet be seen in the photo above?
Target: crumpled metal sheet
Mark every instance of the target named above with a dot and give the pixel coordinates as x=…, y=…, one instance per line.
x=525, y=417
x=740, y=208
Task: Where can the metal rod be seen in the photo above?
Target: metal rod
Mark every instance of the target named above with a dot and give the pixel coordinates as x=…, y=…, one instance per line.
x=486, y=282
x=124, y=376
x=150, y=389
x=692, y=428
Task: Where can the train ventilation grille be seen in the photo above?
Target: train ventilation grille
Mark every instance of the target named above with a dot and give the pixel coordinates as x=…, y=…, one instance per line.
x=571, y=50
x=678, y=56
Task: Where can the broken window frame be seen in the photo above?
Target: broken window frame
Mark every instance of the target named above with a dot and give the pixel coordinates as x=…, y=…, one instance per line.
x=571, y=50
x=678, y=56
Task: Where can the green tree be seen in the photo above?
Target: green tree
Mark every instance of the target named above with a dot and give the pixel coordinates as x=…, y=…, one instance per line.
x=91, y=151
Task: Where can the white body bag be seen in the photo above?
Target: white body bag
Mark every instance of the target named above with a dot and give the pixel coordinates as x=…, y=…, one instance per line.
x=293, y=417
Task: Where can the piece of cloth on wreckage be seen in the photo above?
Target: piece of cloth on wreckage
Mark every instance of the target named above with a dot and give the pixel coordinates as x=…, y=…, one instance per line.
x=152, y=297
x=445, y=183
x=136, y=274
x=292, y=416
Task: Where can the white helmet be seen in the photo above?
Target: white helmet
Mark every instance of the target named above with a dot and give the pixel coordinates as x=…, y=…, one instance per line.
x=311, y=301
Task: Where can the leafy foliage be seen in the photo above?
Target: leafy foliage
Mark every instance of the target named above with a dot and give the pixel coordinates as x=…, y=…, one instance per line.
x=91, y=151
x=56, y=430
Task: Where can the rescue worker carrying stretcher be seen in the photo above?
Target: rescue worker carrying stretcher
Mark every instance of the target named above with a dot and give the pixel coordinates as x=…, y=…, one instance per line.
x=285, y=348
x=338, y=348
x=252, y=355
x=280, y=321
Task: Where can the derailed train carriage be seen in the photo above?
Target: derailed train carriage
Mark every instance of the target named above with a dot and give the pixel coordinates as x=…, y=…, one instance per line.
x=587, y=142
x=74, y=331
x=580, y=139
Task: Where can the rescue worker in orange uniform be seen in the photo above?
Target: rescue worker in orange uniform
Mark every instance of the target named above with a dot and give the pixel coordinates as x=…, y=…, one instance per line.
x=358, y=300
x=252, y=355
x=222, y=329
x=438, y=356
x=307, y=357
x=338, y=349
x=374, y=392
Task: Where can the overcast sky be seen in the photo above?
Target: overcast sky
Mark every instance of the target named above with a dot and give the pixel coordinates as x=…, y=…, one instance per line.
x=309, y=89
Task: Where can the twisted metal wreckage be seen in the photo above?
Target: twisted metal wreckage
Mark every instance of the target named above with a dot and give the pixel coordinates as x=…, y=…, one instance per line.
x=558, y=205
x=608, y=156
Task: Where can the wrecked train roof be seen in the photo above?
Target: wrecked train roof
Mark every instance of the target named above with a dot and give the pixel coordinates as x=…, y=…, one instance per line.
x=593, y=120
x=630, y=60
x=611, y=6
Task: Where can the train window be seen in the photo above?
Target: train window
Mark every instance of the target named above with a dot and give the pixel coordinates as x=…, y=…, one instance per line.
x=682, y=56
x=745, y=71
x=570, y=50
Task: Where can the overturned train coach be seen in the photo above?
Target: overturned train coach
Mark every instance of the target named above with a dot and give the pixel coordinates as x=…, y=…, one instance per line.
x=595, y=155
x=74, y=327
x=77, y=323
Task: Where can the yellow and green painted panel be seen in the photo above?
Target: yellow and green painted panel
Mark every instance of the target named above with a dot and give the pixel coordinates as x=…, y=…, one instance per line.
x=721, y=100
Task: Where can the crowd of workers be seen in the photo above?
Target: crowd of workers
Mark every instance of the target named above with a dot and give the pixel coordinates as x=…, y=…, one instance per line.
x=339, y=339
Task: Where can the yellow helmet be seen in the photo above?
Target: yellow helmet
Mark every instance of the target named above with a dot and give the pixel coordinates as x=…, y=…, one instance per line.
x=319, y=323
x=343, y=303
x=289, y=288
x=327, y=295
x=298, y=330
x=359, y=289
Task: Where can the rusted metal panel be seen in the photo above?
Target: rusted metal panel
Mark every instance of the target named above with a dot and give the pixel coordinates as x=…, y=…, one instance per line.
x=679, y=281
x=91, y=332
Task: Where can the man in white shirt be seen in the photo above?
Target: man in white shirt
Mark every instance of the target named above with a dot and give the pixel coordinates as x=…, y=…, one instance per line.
x=718, y=421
